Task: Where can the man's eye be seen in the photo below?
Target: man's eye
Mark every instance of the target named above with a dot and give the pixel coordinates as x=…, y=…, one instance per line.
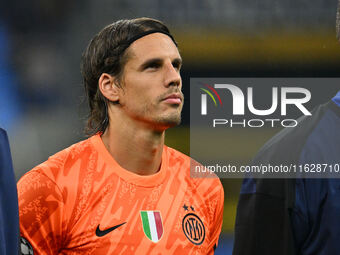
x=153, y=65
x=177, y=66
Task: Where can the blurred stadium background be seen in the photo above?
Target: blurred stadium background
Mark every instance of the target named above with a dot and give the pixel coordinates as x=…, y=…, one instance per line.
x=41, y=94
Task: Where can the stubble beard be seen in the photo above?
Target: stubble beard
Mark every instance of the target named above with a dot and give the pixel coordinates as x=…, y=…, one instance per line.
x=159, y=121
x=169, y=120
x=164, y=121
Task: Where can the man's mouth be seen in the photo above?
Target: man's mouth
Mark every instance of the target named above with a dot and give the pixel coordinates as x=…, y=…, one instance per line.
x=175, y=98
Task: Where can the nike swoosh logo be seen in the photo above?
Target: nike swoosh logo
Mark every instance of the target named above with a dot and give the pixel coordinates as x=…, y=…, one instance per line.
x=101, y=233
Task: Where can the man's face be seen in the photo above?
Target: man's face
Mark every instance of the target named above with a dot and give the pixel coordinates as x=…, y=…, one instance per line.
x=151, y=82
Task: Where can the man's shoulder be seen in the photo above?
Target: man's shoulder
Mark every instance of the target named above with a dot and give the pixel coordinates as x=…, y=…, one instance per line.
x=175, y=154
x=199, y=182
x=292, y=146
x=63, y=161
x=286, y=145
x=3, y=136
x=2, y=132
x=178, y=161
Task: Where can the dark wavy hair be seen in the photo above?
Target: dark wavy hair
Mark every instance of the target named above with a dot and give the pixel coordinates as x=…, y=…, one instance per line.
x=107, y=53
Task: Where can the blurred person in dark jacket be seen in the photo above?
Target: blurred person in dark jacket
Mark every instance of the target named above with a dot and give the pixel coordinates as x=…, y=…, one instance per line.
x=9, y=219
x=300, y=215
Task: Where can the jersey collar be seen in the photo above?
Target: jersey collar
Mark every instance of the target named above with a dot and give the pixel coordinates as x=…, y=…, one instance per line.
x=139, y=180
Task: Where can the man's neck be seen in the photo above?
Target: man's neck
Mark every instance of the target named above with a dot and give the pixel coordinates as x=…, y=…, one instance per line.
x=138, y=150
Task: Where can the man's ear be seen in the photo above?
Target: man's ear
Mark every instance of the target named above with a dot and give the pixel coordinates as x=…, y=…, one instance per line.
x=108, y=87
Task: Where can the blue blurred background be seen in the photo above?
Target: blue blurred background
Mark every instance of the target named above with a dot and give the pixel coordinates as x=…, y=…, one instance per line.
x=41, y=94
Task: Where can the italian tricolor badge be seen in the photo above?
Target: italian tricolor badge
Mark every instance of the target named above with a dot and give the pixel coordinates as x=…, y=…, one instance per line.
x=152, y=225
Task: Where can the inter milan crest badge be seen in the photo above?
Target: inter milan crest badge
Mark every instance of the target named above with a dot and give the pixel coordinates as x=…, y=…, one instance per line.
x=193, y=227
x=152, y=225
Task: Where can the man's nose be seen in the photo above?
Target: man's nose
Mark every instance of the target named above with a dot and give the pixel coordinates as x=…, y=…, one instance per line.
x=172, y=76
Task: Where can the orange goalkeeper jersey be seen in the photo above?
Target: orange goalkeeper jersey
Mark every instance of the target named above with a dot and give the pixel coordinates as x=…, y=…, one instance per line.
x=80, y=201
